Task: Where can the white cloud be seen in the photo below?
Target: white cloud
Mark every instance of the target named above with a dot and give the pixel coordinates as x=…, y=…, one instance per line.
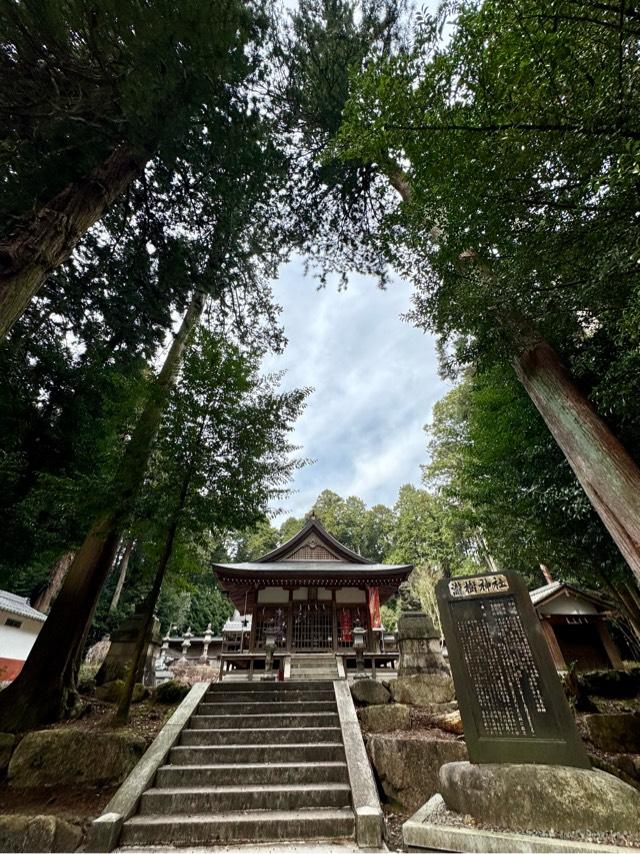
x=375, y=380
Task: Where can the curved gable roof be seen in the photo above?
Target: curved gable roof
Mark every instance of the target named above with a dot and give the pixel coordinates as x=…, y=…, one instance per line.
x=313, y=526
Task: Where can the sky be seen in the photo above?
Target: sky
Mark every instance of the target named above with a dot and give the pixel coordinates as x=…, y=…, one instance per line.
x=375, y=381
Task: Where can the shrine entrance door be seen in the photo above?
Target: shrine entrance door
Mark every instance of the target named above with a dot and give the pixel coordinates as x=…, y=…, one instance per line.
x=312, y=626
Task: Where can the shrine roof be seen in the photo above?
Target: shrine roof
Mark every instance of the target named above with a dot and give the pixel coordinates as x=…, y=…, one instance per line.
x=557, y=588
x=313, y=534
x=312, y=567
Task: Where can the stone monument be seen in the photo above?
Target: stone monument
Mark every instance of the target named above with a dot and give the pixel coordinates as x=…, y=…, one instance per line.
x=512, y=704
x=423, y=675
x=418, y=639
x=123, y=641
x=529, y=770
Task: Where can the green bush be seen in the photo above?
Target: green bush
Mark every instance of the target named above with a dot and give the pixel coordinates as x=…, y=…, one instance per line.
x=171, y=692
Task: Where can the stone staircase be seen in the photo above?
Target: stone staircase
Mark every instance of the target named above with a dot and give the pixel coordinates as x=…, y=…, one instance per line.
x=314, y=667
x=258, y=762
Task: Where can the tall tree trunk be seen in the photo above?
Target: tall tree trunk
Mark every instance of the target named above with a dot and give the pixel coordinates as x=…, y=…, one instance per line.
x=122, y=574
x=135, y=669
x=46, y=687
x=124, y=704
x=47, y=238
x=57, y=575
x=605, y=470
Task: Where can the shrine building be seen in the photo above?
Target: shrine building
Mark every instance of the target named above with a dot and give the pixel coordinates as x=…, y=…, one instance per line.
x=314, y=591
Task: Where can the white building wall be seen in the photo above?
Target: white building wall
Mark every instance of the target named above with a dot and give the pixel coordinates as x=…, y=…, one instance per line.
x=16, y=643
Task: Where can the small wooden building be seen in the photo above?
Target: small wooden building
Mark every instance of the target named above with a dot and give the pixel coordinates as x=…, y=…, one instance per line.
x=314, y=591
x=574, y=622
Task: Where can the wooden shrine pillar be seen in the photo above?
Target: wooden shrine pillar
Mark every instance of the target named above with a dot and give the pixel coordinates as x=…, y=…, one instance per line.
x=609, y=645
x=334, y=620
x=554, y=646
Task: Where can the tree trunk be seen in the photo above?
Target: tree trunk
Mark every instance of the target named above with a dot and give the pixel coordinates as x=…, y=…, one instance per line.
x=47, y=238
x=124, y=705
x=605, y=470
x=124, y=565
x=44, y=691
x=57, y=575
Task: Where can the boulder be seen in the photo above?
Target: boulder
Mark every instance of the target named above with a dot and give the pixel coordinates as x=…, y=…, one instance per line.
x=615, y=733
x=74, y=757
x=172, y=691
x=385, y=718
x=37, y=833
x=407, y=765
x=423, y=689
x=450, y=722
x=547, y=798
x=611, y=683
x=7, y=743
x=110, y=692
x=368, y=692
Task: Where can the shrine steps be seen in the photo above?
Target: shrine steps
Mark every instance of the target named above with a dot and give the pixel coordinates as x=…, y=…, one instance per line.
x=314, y=667
x=257, y=762
x=244, y=826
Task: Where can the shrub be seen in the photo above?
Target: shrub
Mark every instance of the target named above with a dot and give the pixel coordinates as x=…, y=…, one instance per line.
x=171, y=692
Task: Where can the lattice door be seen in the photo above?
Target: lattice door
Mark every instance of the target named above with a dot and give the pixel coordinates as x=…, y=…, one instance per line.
x=271, y=615
x=312, y=625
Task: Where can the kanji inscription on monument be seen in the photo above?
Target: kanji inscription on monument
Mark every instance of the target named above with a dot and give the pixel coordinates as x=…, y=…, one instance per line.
x=511, y=701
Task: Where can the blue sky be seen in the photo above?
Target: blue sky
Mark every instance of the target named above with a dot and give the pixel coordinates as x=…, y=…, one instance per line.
x=375, y=382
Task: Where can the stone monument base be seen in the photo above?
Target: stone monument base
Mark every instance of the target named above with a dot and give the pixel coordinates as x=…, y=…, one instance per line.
x=541, y=797
x=434, y=828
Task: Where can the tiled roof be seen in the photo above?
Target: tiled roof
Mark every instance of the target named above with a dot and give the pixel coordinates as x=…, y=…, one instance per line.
x=321, y=567
x=19, y=605
x=541, y=593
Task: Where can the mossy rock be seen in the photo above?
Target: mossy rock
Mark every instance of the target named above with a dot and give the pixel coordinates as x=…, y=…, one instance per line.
x=38, y=833
x=385, y=718
x=614, y=684
x=110, y=692
x=74, y=757
x=369, y=692
x=171, y=692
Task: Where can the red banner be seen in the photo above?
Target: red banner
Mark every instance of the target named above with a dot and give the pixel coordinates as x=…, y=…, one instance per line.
x=374, y=608
x=346, y=624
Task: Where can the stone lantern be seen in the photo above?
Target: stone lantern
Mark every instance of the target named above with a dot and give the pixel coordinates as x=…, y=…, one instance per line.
x=186, y=643
x=208, y=637
x=359, y=635
x=270, y=635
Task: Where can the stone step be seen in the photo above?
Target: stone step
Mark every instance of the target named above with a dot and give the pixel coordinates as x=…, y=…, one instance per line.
x=243, y=696
x=172, y=776
x=238, y=754
x=267, y=708
x=248, y=797
x=283, y=735
x=256, y=685
x=261, y=825
x=278, y=719
x=328, y=677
